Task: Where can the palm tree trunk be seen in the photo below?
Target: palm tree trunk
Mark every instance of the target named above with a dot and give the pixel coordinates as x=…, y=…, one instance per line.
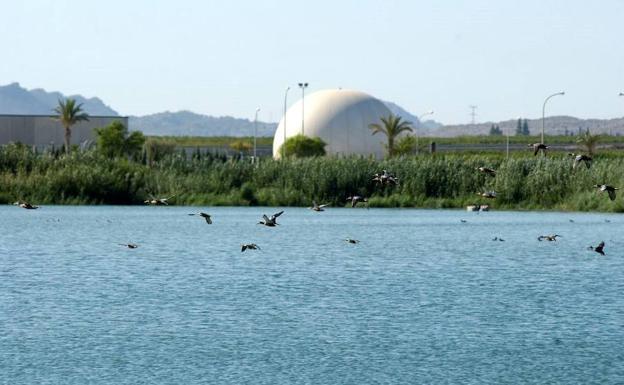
x=67, y=139
x=390, y=146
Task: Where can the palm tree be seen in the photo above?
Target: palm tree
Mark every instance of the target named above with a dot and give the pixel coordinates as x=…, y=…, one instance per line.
x=391, y=126
x=69, y=113
x=589, y=142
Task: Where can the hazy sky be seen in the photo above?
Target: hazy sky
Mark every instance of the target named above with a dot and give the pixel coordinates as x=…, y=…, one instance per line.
x=229, y=57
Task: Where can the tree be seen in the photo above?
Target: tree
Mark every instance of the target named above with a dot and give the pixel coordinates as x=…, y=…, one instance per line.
x=525, y=128
x=114, y=140
x=406, y=146
x=391, y=126
x=69, y=113
x=301, y=146
x=519, y=130
x=495, y=130
x=588, y=142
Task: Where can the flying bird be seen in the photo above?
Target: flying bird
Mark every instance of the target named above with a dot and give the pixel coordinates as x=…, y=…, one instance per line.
x=250, y=246
x=355, y=199
x=317, y=207
x=385, y=178
x=129, y=245
x=350, y=240
x=609, y=189
x=488, y=194
x=158, y=201
x=271, y=222
x=599, y=249
x=578, y=158
x=487, y=171
x=549, y=238
x=205, y=216
x=537, y=147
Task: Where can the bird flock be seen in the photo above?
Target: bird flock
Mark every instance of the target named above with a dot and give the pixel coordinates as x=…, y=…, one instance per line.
x=383, y=179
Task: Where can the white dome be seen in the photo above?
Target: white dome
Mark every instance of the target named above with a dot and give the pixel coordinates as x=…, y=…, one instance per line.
x=341, y=118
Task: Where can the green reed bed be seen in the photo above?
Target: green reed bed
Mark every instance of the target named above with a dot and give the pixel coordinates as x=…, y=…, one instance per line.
x=441, y=181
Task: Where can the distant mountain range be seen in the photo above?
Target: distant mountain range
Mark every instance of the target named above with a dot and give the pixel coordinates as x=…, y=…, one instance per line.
x=14, y=99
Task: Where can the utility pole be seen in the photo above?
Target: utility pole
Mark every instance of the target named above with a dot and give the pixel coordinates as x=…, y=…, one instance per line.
x=473, y=114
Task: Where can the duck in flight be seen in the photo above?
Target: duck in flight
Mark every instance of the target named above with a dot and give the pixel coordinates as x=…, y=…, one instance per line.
x=26, y=205
x=549, y=238
x=488, y=194
x=317, y=207
x=385, y=178
x=205, y=216
x=129, y=245
x=350, y=240
x=158, y=201
x=537, y=147
x=487, y=171
x=271, y=222
x=355, y=199
x=249, y=246
x=599, y=249
x=609, y=189
x=581, y=158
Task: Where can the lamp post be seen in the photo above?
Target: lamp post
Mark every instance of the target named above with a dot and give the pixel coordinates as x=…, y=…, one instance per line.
x=255, y=133
x=285, y=106
x=430, y=112
x=544, y=110
x=303, y=86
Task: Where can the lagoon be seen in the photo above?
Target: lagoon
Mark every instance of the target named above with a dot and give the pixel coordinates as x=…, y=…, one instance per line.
x=423, y=298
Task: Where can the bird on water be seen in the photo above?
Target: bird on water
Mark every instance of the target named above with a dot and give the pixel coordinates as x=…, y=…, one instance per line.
x=549, y=238
x=129, y=245
x=270, y=222
x=26, y=205
x=350, y=240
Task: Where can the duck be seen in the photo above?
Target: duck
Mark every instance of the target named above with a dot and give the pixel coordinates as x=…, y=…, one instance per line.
x=355, y=199
x=498, y=239
x=26, y=205
x=317, y=207
x=599, y=249
x=549, y=238
x=158, y=201
x=385, y=178
x=609, y=189
x=578, y=158
x=270, y=222
x=487, y=194
x=487, y=171
x=249, y=246
x=205, y=216
x=537, y=147
x=129, y=245
x=350, y=240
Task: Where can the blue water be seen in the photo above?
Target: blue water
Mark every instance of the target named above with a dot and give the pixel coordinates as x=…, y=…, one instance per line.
x=423, y=298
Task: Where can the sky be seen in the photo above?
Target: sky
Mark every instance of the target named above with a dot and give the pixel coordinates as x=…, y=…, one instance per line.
x=231, y=57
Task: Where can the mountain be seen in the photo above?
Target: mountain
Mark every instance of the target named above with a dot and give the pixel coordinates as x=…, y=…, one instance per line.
x=187, y=123
x=553, y=125
x=14, y=99
x=398, y=110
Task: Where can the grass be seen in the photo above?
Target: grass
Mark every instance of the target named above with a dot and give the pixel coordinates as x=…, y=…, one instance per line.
x=442, y=181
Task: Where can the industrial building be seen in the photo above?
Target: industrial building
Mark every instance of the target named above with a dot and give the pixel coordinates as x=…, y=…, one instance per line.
x=43, y=131
x=341, y=118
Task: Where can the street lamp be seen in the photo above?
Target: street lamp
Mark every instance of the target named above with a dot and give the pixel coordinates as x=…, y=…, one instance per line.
x=544, y=110
x=430, y=112
x=303, y=86
x=285, y=106
x=255, y=132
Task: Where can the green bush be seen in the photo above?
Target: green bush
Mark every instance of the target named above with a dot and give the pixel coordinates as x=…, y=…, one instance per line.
x=301, y=146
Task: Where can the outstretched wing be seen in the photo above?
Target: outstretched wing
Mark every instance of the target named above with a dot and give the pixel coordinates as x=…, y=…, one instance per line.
x=243, y=248
x=588, y=162
x=536, y=148
x=611, y=194
x=266, y=219
x=277, y=214
x=208, y=220
x=322, y=206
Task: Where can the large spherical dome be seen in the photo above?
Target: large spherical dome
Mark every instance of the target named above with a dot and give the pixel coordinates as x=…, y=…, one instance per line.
x=340, y=117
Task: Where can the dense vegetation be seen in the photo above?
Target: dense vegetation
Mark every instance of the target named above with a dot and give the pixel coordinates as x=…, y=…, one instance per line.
x=522, y=181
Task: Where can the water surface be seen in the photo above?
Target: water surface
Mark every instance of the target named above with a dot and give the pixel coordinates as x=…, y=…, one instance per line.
x=423, y=298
